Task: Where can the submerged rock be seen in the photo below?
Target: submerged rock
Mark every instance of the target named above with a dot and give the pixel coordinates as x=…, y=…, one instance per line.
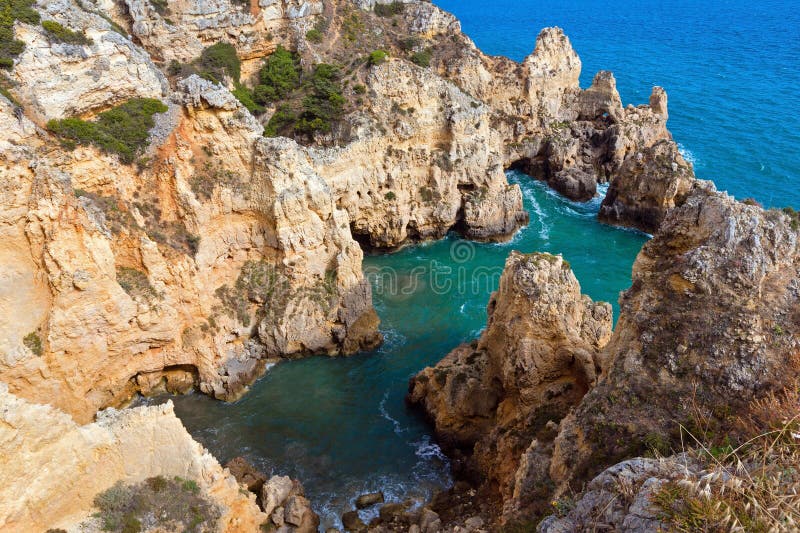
x=367, y=500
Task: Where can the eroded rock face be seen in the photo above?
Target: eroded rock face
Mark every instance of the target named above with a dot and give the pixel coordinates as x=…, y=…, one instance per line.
x=649, y=184
x=120, y=299
x=708, y=325
x=225, y=250
x=58, y=80
x=536, y=360
x=442, y=167
x=52, y=468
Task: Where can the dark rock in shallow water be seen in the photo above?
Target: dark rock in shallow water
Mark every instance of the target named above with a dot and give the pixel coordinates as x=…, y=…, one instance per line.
x=367, y=500
x=352, y=522
x=246, y=473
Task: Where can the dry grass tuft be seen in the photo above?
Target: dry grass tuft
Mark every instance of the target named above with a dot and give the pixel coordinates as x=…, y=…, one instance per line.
x=752, y=487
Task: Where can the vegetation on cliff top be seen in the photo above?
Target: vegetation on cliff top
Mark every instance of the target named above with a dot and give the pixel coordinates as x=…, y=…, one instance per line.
x=173, y=504
x=10, y=11
x=312, y=107
x=65, y=35
x=123, y=130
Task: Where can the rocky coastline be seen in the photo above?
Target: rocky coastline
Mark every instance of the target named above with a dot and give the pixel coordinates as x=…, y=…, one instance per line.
x=212, y=228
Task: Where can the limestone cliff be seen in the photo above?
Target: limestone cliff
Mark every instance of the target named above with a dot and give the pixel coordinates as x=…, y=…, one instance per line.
x=218, y=248
x=536, y=360
x=52, y=468
x=708, y=326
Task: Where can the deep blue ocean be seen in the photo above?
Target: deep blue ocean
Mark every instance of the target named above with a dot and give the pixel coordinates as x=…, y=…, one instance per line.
x=340, y=425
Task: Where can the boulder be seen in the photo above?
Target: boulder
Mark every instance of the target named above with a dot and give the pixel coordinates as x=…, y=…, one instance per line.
x=367, y=500
x=246, y=474
x=274, y=492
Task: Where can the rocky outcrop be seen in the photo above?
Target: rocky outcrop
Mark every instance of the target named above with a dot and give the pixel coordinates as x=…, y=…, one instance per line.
x=180, y=30
x=621, y=497
x=59, y=80
x=647, y=187
x=536, y=360
x=283, y=501
x=141, y=307
x=441, y=169
x=708, y=326
x=52, y=468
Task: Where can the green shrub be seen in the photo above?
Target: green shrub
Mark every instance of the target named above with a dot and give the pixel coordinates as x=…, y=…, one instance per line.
x=64, y=35
x=377, y=57
x=33, y=342
x=218, y=60
x=314, y=35
x=410, y=43
x=423, y=58
x=325, y=102
x=359, y=89
x=389, y=10
x=279, y=76
x=135, y=283
x=123, y=130
x=353, y=27
x=6, y=84
x=11, y=10
x=281, y=122
x=391, y=196
x=245, y=96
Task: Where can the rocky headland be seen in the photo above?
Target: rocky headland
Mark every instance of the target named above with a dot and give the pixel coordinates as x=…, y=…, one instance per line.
x=188, y=188
x=706, y=335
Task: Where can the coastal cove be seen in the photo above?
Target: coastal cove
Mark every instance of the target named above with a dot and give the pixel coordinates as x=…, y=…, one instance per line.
x=399, y=266
x=340, y=425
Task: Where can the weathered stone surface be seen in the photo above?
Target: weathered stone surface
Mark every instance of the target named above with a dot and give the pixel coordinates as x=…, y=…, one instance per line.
x=246, y=474
x=52, y=468
x=274, y=492
x=708, y=325
x=536, y=359
x=352, y=522
x=620, y=497
x=649, y=184
x=58, y=80
x=367, y=500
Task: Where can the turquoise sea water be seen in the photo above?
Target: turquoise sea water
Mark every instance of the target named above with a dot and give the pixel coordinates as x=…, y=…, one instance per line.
x=340, y=425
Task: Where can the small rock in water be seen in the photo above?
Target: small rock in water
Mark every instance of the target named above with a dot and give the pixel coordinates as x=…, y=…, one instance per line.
x=427, y=518
x=366, y=500
x=274, y=492
x=352, y=522
x=393, y=512
x=246, y=473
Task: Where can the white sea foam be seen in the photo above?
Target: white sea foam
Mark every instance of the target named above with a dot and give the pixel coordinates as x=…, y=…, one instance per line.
x=398, y=428
x=687, y=154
